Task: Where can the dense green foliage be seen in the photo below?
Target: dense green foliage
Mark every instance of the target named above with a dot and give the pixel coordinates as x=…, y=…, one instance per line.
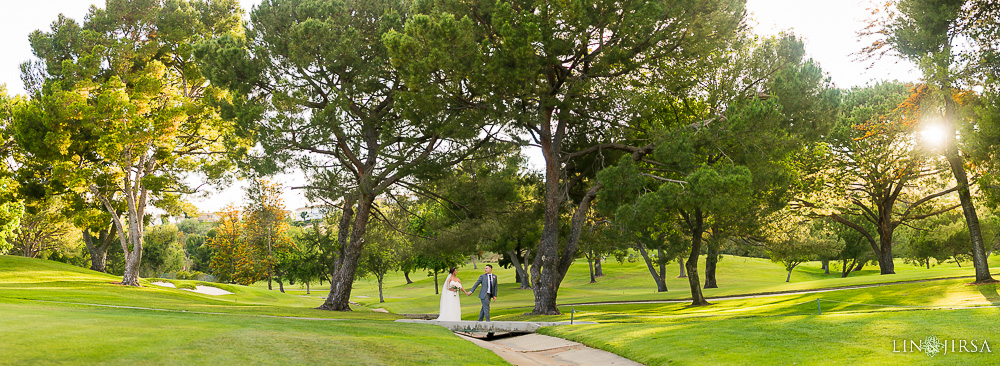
x=163, y=251
x=119, y=108
x=659, y=132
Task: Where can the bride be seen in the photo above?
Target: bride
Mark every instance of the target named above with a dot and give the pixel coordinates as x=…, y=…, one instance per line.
x=451, y=308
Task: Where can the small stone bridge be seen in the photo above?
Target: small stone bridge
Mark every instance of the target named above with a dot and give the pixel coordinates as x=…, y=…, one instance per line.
x=490, y=327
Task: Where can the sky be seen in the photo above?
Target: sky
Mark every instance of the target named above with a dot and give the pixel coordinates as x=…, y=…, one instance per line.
x=828, y=28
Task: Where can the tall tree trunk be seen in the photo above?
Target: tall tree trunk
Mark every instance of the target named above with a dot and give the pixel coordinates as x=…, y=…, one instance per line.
x=546, y=283
x=99, y=251
x=343, y=234
x=281, y=285
x=474, y=261
x=520, y=268
x=307, y=287
x=711, y=261
x=859, y=266
x=343, y=278
x=928, y=263
x=135, y=199
x=964, y=195
x=663, y=266
x=697, y=230
x=406, y=275
x=270, y=257
x=436, y=283
x=885, y=263
x=789, y=277
x=661, y=285
x=590, y=264
x=133, y=256
x=680, y=262
x=826, y=266
x=598, y=269
x=380, y=298
x=131, y=275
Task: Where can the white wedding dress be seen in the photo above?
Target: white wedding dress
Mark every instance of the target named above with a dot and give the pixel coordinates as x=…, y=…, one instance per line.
x=451, y=307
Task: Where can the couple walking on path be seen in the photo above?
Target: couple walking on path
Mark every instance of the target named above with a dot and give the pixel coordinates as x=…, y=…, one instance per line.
x=451, y=307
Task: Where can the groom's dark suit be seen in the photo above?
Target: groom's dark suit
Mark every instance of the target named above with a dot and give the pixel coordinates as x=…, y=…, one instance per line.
x=488, y=292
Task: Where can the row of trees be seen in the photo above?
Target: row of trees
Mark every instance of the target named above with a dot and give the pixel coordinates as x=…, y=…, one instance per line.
x=664, y=125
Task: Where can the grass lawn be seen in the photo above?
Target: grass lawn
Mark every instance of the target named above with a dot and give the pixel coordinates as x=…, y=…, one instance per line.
x=43, y=320
x=625, y=282
x=42, y=323
x=856, y=327
x=834, y=339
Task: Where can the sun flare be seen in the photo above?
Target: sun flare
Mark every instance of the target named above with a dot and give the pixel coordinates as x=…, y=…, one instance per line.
x=933, y=135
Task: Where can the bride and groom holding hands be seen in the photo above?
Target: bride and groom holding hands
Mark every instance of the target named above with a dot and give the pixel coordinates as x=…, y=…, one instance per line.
x=451, y=307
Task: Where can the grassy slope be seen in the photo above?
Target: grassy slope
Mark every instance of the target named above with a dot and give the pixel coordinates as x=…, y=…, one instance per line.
x=41, y=327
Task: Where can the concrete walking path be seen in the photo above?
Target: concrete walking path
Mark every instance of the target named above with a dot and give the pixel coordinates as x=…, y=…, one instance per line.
x=538, y=350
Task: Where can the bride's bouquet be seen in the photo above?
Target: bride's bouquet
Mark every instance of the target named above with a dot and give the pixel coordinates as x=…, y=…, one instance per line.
x=455, y=286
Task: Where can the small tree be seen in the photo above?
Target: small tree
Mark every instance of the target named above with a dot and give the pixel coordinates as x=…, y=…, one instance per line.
x=793, y=242
x=199, y=254
x=233, y=259
x=318, y=251
x=597, y=242
x=42, y=228
x=309, y=263
x=265, y=225
x=379, y=254
x=942, y=238
x=856, y=252
x=163, y=253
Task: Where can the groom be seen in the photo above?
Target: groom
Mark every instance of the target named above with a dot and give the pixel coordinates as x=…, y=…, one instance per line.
x=487, y=293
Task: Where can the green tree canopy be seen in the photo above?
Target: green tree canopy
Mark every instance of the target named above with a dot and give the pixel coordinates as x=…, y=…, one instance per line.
x=561, y=73
x=120, y=107
x=316, y=89
x=724, y=157
x=930, y=33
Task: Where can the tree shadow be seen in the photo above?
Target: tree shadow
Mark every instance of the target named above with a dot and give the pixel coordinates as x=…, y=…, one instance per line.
x=990, y=293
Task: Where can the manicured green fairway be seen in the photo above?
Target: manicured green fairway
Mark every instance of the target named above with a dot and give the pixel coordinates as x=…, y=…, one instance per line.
x=631, y=281
x=46, y=333
x=856, y=327
x=41, y=322
x=835, y=339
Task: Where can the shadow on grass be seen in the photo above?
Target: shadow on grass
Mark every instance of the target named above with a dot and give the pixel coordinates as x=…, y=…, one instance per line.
x=990, y=293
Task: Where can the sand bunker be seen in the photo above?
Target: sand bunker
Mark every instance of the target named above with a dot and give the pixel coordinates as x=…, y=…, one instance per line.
x=209, y=290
